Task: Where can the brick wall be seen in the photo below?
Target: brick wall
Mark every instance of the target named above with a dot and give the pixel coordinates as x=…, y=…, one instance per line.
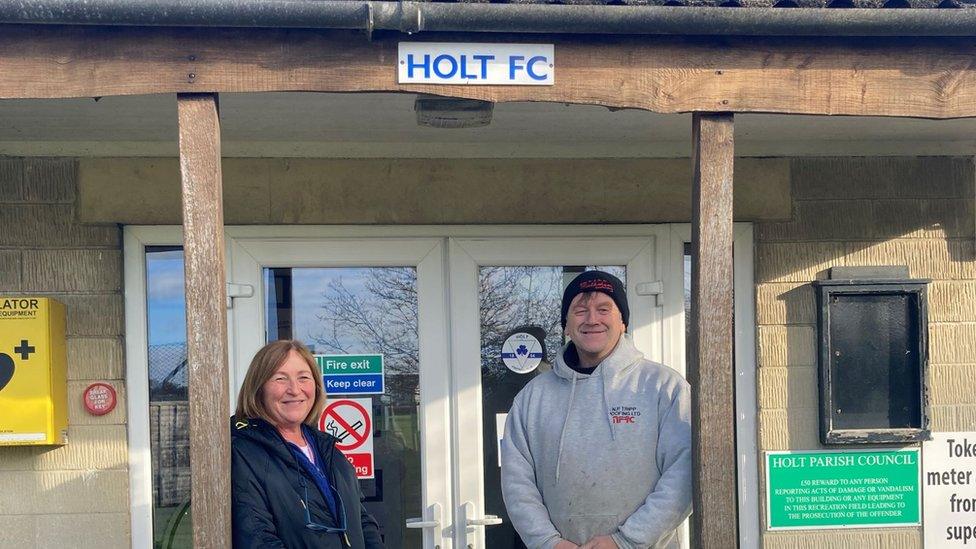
x=859, y=211
x=76, y=495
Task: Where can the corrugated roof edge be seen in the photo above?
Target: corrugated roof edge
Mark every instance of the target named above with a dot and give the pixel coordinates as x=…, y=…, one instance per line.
x=414, y=17
x=806, y=4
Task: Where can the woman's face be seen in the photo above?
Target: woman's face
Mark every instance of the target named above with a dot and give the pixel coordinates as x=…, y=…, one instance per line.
x=290, y=393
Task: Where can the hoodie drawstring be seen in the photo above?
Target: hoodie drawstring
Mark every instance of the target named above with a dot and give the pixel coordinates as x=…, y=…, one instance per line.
x=562, y=435
x=606, y=404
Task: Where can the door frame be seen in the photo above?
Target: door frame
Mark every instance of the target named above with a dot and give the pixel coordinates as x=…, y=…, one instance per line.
x=252, y=255
x=639, y=253
x=137, y=238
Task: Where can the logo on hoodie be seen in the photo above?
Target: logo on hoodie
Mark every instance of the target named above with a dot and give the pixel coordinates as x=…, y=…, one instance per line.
x=624, y=414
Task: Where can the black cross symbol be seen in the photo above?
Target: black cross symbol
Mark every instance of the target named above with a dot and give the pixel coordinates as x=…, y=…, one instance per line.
x=24, y=350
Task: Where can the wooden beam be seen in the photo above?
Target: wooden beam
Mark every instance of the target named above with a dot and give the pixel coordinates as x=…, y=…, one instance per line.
x=710, y=358
x=933, y=77
x=206, y=320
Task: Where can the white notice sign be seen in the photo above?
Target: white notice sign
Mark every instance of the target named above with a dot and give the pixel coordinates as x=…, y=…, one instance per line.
x=479, y=64
x=949, y=490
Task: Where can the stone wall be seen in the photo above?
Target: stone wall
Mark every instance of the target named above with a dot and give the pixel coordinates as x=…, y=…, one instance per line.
x=852, y=212
x=76, y=495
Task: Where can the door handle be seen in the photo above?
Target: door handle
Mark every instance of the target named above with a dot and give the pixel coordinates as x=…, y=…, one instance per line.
x=487, y=520
x=433, y=520
x=417, y=523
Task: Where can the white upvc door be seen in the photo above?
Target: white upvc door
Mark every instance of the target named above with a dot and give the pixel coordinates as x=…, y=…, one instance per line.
x=654, y=295
x=253, y=257
x=456, y=475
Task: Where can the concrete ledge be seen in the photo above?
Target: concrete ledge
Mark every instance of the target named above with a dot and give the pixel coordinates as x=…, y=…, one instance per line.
x=427, y=191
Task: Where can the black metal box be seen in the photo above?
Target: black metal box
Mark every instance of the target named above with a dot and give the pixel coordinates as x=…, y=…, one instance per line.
x=873, y=353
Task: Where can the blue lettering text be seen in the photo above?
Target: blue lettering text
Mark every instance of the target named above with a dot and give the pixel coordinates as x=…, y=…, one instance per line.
x=514, y=66
x=451, y=61
x=411, y=65
x=531, y=72
x=484, y=64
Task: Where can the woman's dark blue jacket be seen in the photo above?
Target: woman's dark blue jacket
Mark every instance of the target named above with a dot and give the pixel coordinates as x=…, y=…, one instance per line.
x=268, y=487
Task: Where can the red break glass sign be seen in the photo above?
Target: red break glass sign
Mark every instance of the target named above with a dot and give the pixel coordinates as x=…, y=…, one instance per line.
x=100, y=399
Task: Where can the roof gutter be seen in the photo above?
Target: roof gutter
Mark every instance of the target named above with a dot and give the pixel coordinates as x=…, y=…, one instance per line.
x=414, y=17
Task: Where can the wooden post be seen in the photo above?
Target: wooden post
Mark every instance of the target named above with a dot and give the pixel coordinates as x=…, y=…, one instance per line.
x=710, y=358
x=206, y=320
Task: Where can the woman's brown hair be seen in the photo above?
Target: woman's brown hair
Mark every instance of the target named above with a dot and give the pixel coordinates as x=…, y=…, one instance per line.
x=264, y=364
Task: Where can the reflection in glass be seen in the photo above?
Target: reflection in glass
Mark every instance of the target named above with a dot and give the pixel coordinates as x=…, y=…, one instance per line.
x=510, y=297
x=365, y=311
x=168, y=400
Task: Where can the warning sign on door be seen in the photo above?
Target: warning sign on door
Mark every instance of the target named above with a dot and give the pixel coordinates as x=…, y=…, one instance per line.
x=350, y=421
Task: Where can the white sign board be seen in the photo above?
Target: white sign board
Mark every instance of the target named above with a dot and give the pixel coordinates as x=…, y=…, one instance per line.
x=478, y=64
x=350, y=421
x=949, y=490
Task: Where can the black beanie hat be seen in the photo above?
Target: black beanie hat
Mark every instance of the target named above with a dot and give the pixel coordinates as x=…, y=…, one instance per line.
x=597, y=281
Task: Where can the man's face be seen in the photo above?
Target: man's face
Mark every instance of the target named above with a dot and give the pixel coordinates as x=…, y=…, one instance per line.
x=595, y=325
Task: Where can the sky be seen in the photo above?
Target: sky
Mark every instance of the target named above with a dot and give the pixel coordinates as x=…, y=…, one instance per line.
x=165, y=301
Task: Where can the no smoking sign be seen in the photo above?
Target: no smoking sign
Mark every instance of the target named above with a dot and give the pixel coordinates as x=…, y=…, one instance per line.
x=350, y=421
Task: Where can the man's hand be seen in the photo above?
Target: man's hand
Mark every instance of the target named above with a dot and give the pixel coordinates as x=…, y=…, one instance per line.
x=600, y=542
x=563, y=544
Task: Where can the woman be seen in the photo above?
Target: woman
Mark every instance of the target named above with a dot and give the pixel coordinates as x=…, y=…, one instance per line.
x=291, y=487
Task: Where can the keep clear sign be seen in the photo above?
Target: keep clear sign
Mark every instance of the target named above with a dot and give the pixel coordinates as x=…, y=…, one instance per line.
x=352, y=374
x=949, y=460
x=480, y=64
x=842, y=489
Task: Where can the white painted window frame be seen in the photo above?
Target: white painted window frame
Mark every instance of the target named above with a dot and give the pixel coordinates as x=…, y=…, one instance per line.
x=135, y=240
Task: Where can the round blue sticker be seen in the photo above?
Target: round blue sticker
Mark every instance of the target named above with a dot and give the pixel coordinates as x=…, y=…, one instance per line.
x=522, y=352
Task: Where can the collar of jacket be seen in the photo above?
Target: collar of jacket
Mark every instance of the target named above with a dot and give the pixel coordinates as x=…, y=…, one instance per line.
x=265, y=434
x=623, y=357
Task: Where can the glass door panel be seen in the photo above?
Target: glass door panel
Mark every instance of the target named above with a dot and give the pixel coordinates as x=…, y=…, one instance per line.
x=359, y=311
x=169, y=430
x=498, y=286
x=369, y=297
x=515, y=298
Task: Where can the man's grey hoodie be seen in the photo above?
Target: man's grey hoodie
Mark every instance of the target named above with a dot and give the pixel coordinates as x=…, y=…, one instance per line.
x=602, y=454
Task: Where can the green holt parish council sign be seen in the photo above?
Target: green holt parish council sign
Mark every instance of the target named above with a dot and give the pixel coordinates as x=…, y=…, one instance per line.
x=842, y=489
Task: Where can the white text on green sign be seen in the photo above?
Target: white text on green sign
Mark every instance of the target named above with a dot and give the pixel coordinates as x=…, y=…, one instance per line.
x=350, y=364
x=842, y=489
x=352, y=374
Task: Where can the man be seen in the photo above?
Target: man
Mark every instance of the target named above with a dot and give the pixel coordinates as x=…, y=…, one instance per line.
x=597, y=452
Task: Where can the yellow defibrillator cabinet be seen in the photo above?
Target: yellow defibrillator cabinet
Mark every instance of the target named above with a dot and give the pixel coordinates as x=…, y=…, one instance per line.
x=33, y=371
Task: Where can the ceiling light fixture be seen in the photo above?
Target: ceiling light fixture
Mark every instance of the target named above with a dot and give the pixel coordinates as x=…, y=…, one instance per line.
x=451, y=112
